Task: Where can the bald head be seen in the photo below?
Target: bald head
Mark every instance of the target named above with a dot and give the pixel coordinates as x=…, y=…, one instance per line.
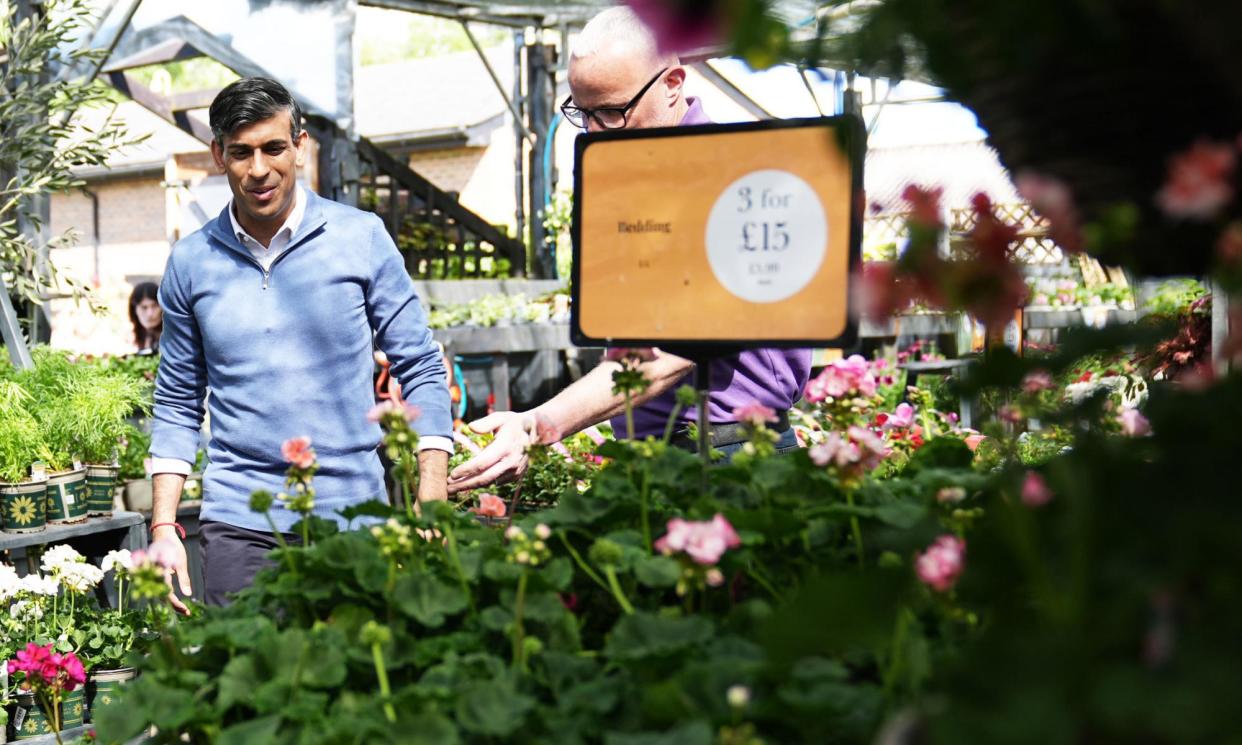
x=610, y=62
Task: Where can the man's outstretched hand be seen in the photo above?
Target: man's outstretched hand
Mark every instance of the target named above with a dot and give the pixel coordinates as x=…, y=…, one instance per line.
x=504, y=459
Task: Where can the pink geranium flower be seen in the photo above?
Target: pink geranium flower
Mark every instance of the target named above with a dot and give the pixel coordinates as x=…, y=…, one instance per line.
x=925, y=210
x=1037, y=381
x=704, y=541
x=942, y=563
x=44, y=667
x=850, y=376
x=409, y=411
x=1051, y=198
x=297, y=452
x=1035, y=491
x=754, y=414
x=596, y=436
x=164, y=553
x=1198, y=184
x=1133, y=423
x=490, y=505
x=902, y=417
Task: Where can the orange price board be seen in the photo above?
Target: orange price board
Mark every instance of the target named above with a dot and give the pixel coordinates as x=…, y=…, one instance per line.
x=731, y=234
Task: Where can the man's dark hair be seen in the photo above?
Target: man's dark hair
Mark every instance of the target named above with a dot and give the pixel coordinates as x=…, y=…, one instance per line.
x=251, y=100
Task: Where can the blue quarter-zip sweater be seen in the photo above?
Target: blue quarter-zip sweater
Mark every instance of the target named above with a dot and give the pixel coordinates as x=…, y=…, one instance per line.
x=288, y=353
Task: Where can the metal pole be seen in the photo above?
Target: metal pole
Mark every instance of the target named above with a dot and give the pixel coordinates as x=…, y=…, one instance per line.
x=520, y=130
x=517, y=89
x=12, y=331
x=539, y=95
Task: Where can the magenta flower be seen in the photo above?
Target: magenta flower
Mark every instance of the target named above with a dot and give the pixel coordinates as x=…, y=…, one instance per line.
x=1035, y=491
x=925, y=210
x=1133, y=423
x=902, y=417
x=754, y=414
x=297, y=452
x=704, y=541
x=681, y=26
x=942, y=563
x=46, y=668
x=1198, y=185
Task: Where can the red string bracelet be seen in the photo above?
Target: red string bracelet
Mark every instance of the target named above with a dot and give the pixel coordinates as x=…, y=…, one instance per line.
x=180, y=530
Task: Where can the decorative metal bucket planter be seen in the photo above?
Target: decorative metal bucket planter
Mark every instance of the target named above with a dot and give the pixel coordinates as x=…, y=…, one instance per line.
x=25, y=506
x=100, y=489
x=66, y=497
x=73, y=708
x=102, y=685
x=28, y=719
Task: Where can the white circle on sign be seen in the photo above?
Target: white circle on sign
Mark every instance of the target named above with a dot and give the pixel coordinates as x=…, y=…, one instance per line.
x=766, y=236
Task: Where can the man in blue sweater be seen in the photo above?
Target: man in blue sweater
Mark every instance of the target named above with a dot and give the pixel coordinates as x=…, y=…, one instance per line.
x=276, y=307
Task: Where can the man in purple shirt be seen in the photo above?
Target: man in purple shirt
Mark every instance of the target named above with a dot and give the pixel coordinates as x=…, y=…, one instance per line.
x=618, y=79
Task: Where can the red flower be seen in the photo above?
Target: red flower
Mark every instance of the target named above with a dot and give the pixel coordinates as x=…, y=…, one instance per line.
x=925, y=210
x=1198, y=182
x=490, y=505
x=297, y=452
x=1052, y=199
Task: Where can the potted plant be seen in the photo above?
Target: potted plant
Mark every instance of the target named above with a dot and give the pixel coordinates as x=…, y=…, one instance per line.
x=101, y=403
x=51, y=383
x=107, y=637
x=21, y=445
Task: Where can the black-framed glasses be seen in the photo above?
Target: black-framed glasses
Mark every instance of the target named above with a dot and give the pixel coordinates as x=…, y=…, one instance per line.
x=608, y=117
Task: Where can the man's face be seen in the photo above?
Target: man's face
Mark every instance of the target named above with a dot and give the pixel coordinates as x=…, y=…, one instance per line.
x=612, y=77
x=261, y=162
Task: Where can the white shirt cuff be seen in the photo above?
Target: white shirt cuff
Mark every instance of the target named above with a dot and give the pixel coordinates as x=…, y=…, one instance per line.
x=171, y=465
x=435, y=442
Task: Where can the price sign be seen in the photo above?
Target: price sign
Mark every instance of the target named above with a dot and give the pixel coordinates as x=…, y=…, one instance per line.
x=741, y=234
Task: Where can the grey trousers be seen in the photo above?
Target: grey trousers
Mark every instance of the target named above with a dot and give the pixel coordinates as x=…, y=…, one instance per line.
x=232, y=556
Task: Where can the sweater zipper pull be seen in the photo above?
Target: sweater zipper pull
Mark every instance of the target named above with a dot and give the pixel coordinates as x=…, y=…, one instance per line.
x=266, y=275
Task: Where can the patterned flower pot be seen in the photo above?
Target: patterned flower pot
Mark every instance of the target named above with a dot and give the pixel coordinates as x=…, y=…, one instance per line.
x=28, y=718
x=66, y=497
x=73, y=708
x=100, y=489
x=25, y=506
x=102, y=685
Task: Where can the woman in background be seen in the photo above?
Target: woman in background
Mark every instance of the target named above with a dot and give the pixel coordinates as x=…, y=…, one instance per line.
x=147, y=316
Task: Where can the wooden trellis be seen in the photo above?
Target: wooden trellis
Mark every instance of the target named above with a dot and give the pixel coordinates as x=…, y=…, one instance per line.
x=1034, y=246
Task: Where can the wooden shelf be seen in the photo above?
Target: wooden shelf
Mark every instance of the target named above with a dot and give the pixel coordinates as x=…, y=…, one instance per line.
x=120, y=520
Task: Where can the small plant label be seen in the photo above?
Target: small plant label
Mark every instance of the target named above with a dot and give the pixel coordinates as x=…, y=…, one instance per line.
x=38, y=471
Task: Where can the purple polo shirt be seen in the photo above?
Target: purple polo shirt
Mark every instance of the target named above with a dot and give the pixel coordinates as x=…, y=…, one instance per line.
x=772, y=377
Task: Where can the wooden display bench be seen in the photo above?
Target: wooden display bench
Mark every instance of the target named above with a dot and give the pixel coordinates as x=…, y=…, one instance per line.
x=93, y=537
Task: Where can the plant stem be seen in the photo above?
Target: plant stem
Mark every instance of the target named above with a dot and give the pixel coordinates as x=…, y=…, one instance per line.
x=642, y=506
x=306, y=530
x=457, y=567
x=855, y=528
x=519, y=633
x=757, y=575
x=381, y=672
x=672, y=422
x=629, y=416
x=586, y=568
x=615, y=587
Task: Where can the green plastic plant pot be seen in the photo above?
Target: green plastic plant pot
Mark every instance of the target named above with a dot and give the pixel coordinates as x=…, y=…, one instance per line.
x=66, y=497
x=102, y=687
x=27, y=719
x=100, y=488
x=73, y=708
x=25, y=506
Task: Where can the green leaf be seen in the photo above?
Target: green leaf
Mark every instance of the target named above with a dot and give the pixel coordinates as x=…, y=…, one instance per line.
x=642, y=635
x=427, y=599
x=236, y=682
x=492, y=708
x=658, y=571
x=690, y=733
x=254, y=732
x=900, y=514
x=941, y=452
x=371, y=508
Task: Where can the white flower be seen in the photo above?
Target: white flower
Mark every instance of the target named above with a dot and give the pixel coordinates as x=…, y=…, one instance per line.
x=10, y=583
x=117, y=560
x=24, y=610
x=57, y=557
x=738, y=696
x=37, y=585
x=80, y=577
x=543, y=532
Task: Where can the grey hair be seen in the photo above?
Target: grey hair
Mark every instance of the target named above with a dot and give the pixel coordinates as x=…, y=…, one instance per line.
x=618, y=26
x=251, y=100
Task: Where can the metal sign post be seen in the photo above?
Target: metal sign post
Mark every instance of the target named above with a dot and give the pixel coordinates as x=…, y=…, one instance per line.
x=19, y=354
